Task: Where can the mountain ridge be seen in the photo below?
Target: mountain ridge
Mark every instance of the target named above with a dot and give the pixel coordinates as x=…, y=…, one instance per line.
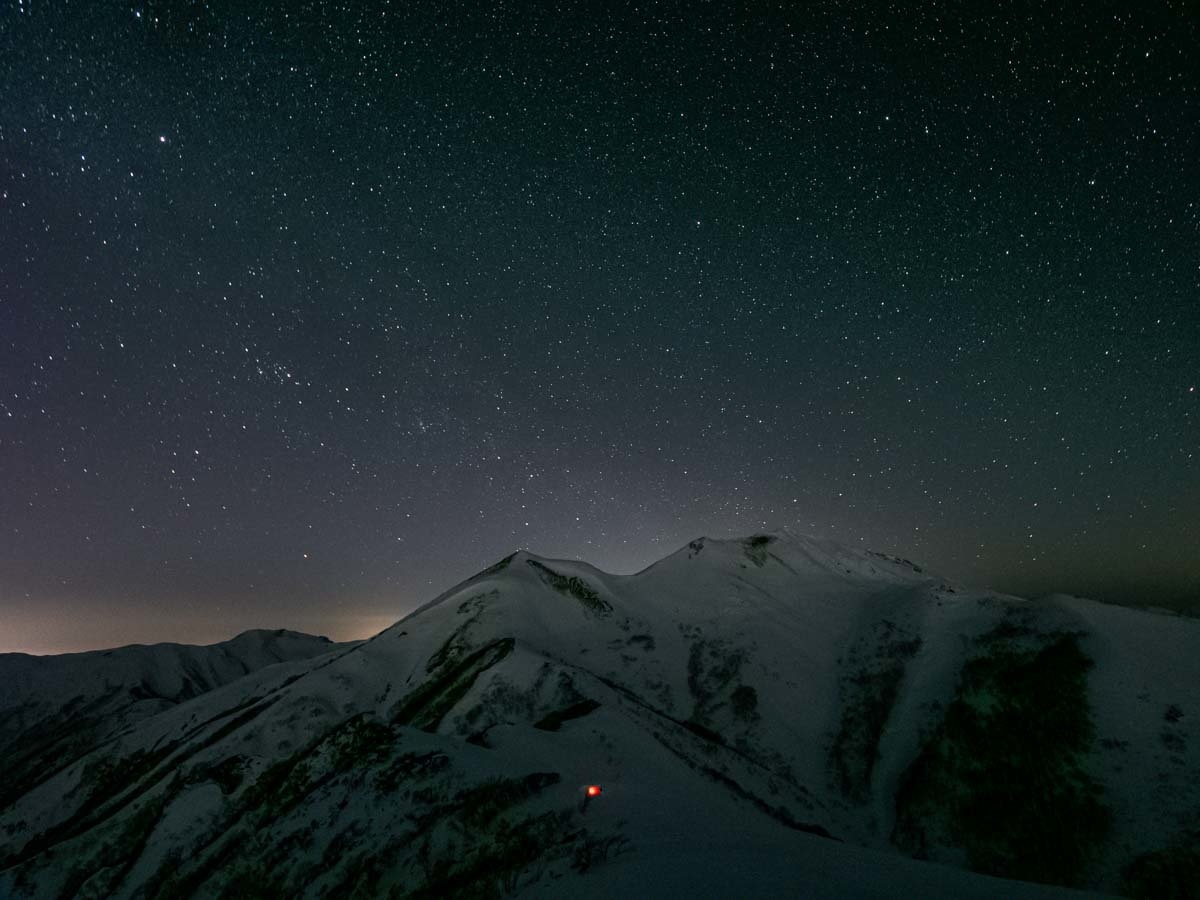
x=771, y=689
x=65, y=706
x=249, y=634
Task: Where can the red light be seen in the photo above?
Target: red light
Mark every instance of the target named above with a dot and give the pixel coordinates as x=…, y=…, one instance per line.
x=593, y=790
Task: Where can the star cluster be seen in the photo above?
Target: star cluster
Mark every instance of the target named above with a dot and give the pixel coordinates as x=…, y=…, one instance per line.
x=310, y=309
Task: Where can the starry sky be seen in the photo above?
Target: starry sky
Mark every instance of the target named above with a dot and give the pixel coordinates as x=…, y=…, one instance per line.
x=309, y=310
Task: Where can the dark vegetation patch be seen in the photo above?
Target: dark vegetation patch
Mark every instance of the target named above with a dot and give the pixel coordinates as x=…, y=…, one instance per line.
x=410, y=767
x=872, y=672
x=507, y=850
x=714, y=681
x=459, y=642
x=500, y=865
x=426, y=706
x=476, y=603
x=414, y=835
x=180, y=877
x=503, y=701
x=1004, y=776
x=702, y=731
x=238, y=721
x=1172, y=873
x=548, y=702
x=244, y=705
x=115, y=782
x=755, y=548
x=238, y=846
x=41, y=750
x=255, y=881
x=226, y=774
x=453, y=647
x=1174, y=738
x=278, y=789
x=480, y=737
x=137, y=830
x=355, y=744
x=117, y=855
x=106, y=779
x=1173, y=741
x=573, y=586
x=645, y=641
x=744, y=701
x=481, y=804
x=361, y=741
x=553, y=721
x=593, y=850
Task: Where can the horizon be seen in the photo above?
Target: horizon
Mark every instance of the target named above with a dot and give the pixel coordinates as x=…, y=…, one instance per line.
x=1174, y=599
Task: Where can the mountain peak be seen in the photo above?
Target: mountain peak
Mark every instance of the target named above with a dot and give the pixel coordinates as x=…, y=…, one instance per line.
x=754, y=693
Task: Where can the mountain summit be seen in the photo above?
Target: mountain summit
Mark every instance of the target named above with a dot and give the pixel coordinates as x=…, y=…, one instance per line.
x=773, y=715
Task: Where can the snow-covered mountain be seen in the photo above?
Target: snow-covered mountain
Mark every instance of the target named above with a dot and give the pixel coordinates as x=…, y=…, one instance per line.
x=55, y=710
x=772, y=716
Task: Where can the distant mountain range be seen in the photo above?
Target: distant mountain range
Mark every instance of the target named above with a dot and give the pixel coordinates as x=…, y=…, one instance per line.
x=771, y=716
x=55, y=710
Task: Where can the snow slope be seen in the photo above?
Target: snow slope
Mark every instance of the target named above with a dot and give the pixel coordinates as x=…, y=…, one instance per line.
x=55, y=709
x=754, y=710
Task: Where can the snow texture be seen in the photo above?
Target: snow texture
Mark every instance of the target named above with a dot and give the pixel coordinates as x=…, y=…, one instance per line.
x=751, y=708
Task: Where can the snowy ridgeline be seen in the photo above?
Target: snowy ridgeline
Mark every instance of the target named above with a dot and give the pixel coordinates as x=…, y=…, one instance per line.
x=772, y=716
x=55, y=710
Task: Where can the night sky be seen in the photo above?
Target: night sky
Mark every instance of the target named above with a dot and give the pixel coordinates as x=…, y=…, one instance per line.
x=310, y=310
